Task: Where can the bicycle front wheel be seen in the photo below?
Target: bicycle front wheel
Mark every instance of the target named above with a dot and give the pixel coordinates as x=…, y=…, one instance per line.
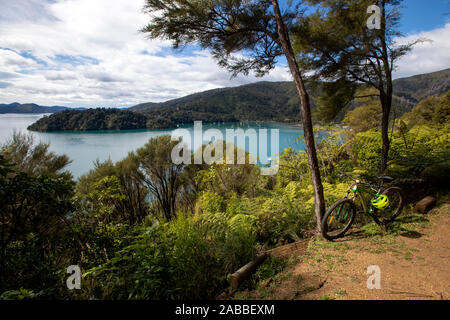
x=338, y=219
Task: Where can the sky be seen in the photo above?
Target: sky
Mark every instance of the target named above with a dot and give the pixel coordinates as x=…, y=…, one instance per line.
x=89, y=53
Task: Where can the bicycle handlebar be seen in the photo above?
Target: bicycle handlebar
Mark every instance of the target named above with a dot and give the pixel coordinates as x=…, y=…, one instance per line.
x=344, y=175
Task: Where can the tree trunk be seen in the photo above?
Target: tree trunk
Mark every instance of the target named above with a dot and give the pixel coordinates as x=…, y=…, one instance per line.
x=385, y=136
x=386, y=106
x=313, y=164
x=385, y=96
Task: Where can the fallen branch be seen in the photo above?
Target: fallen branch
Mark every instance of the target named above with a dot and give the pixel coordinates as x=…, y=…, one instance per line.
x=243, y=273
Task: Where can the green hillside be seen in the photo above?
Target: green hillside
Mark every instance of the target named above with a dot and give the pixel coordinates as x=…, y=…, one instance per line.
x=260, y=101
x=91, y=119
x=419, y=87
x=275, y=101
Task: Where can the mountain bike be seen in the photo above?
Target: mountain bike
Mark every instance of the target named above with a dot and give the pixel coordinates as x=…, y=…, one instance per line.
x=382, y=204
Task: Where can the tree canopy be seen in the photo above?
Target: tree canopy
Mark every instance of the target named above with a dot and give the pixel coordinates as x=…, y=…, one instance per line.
x=243, y=36
x=335, y=44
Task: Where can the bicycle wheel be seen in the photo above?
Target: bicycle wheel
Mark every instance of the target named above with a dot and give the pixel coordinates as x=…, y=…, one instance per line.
x=338, y=219
x=395, y=207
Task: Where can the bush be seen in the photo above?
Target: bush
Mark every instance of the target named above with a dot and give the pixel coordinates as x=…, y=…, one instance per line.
x=182, y=259
x=437, y=175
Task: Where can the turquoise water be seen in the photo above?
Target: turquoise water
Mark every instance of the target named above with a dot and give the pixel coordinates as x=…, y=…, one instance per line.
x=83, y=148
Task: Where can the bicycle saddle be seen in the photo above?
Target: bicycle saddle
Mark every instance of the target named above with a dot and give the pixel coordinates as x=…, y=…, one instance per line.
x=386, y=179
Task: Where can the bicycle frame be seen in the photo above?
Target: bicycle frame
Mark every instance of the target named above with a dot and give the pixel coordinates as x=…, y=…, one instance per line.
x=361, y=192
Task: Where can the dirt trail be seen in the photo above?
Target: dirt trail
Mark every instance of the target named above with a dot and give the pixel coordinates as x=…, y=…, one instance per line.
x=414, y=263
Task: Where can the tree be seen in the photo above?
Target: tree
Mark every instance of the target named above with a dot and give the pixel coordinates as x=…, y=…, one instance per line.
x=336, y=43
x=366, y=116
x=34, y=159
x=128, y=193
x=157, y=171
x=257, y=29
x=334, y=97
x=29, y=205
x=363, y=118
x=431, y=110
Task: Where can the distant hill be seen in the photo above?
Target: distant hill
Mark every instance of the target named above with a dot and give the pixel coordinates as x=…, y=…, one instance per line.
x=409, y=91
x=91, y=119
x=419, y=87
x=274, y=101
x=260, y=101
x=277, y=101
x=31, y=108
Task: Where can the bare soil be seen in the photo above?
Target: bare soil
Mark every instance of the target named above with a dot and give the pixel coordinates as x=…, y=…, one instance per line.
x=413, y=256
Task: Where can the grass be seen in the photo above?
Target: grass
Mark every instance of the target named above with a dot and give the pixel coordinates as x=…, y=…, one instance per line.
x=340, y=293
x=407, y=255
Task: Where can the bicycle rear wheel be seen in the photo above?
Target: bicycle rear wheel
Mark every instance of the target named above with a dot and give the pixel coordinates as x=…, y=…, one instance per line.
x=338, y=219
x=395, y=207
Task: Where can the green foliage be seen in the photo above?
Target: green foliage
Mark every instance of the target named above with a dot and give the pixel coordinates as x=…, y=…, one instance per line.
x=293, y=165
x=412, y=150
x=32, y=209
x=366, y=151
x=419, y=148
x=163, y=178
x=364, y=118
x=182, y=259
x=34, y=159
x=331, y=151
x=210, y=202
x=229, y=179
x=433, y=110
x=127, y=194
x=106, y=192
x=91, y=119
x=22, y=294
x=335, y=97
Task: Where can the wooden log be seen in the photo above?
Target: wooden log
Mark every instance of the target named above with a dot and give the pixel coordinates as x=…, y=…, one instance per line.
x=289, y=250
x=424, y=205
x=286, y=251
x=243, y=273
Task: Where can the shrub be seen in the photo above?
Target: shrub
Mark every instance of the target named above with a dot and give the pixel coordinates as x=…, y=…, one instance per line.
x=437, y=175
x=182, y=259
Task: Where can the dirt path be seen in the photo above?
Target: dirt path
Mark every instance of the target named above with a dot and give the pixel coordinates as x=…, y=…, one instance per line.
x=414, y=260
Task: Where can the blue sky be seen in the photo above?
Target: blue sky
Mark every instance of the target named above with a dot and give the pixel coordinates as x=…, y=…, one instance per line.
x=424, y=15
x=77, y=53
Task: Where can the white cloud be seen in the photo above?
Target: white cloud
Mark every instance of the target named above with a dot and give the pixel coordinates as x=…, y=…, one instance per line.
x=429, y=56
x=11, y=60
x=90, y=53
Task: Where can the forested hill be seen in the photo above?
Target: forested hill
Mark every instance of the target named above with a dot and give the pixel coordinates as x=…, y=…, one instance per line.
x=91, y=119
x=409, y=91
x=261, y=101
x=278, y=100
x=31, y=108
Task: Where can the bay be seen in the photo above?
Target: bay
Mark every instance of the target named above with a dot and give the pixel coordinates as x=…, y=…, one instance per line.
x=84, y=148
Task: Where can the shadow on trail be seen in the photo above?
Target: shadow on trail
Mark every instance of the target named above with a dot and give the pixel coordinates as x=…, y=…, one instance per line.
x=411, y=234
